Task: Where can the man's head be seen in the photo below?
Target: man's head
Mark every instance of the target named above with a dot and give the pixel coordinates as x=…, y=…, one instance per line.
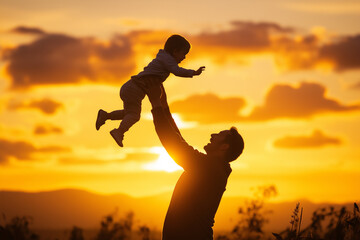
x=177, y=46
x=227, y=144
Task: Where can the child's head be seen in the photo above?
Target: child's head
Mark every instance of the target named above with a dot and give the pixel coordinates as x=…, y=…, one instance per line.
x=177, y=46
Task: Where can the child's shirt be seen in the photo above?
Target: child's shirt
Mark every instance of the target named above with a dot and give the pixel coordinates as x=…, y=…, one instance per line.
x=162, y=66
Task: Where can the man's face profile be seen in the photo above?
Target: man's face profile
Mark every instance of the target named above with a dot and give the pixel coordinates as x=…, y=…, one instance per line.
x=217, y=141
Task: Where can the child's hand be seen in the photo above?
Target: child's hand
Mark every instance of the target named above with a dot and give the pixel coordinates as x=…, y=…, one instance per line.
x=199, y=71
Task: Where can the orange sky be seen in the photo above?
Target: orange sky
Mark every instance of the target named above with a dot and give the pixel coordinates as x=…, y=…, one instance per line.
x=285, y=73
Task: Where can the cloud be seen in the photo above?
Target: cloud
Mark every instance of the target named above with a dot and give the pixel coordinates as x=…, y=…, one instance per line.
x=148, y=37
x=45, y=129
x=296, y=53
x=355, y=85
x=28, y=30
x=208, y=108
x=46, y=105
x=83, y=161
x=140, y=157
x=61, y=59
x=292, y=51
x=343, y=54
x=304, y=101
x=22, y=150
x=245, y=36
x=315, y=140
x=281, y=102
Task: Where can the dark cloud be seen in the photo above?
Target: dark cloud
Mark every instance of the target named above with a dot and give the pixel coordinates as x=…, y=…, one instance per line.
x=21, y=150
x=28, y=30
x=315, y=140
x=45, y=129
x=47, y=106
x=246, y=36
x=296, y=53
x=208, y=108
x=292, y=51
x=305, y=101
x=344, y=53
x=141, y=157
x=62, y=59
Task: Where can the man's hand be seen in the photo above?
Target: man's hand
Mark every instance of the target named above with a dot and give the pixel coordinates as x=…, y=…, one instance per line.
x=199, y=71
x=163, y=97
x=153, y=91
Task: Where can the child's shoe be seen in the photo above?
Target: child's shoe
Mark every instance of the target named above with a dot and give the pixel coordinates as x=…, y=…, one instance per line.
x=118, y=136
x=101, y=118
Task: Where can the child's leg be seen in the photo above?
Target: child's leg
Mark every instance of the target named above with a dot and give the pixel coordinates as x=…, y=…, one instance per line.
x=129, y=119
x=132, y=97
x=116, y=115
x=103, y=116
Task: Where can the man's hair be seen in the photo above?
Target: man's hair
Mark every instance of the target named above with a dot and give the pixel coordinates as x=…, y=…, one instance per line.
x=236, y=144
x=176, y=42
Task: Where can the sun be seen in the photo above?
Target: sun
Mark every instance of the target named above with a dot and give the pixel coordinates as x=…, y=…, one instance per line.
x=163, y=163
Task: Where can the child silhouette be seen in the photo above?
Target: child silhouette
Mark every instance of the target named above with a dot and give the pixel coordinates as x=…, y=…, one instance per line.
x=132, y=92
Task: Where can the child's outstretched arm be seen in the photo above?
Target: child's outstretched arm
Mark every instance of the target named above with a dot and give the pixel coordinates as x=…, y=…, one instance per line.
x=200, y=70
x=172, y=66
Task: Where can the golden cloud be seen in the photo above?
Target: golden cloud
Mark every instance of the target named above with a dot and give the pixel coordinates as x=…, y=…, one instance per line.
x=46, y=105
x=82, y=161
x=282, y=101
x=209, y=108
x=148, y=37
x=304, y=101
x=62, y=59
x=139, y=157
x=315, y=140
x=292, y=51
x=21, y=150
x=296, y=53
x=27, y=30
x=45, y=129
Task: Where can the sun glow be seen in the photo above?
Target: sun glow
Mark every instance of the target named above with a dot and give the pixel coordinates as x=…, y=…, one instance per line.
x=163, y=163
x=181, y=124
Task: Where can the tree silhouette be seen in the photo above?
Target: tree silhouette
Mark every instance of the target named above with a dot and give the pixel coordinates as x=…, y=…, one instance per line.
x=17, y=229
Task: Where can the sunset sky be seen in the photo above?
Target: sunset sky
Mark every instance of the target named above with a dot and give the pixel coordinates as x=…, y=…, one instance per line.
x=286, y=73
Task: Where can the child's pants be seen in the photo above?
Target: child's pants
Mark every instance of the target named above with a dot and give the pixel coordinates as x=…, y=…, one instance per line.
x=132, y=96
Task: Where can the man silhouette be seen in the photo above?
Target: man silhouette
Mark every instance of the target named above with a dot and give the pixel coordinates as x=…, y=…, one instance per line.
x=198, y=192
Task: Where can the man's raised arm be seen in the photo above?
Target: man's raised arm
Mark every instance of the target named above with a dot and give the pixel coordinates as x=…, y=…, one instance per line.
x=169, y=136
x=165, y=106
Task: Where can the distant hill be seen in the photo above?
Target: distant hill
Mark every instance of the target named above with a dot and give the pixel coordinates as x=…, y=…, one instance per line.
x=62, y=209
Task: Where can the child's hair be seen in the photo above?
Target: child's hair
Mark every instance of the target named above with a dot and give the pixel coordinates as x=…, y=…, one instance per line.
x=176, y=42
